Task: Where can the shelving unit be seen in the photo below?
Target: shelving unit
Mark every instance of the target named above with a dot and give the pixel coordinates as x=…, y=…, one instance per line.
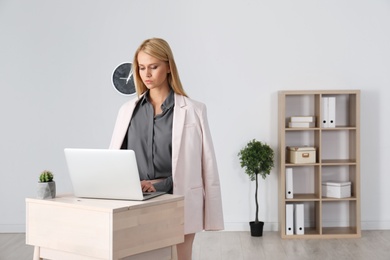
x=337, y=159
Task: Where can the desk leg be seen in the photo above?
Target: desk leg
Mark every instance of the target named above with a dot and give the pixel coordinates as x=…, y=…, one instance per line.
x=174, y=252
x=37, y=253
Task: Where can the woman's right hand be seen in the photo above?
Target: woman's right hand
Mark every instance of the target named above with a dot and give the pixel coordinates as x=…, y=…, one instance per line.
x=147, y=186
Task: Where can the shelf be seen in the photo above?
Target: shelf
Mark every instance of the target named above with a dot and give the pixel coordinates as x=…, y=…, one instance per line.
x=300, y=164
x=304, y=197
x=327, y=233
x=337, y=159
x=338, y=162
x=324, y=163
x=309, y=233
x=302, y=129
x=339, y=199
x=337, y=128
x=339, y=231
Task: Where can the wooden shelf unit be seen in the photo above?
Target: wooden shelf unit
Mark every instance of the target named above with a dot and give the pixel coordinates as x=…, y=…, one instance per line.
x=337, y=159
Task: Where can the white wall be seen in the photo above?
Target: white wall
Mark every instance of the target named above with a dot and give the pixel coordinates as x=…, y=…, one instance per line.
x=56, y=59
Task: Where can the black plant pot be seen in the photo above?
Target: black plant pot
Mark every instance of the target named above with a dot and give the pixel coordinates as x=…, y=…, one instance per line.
x=256, y=228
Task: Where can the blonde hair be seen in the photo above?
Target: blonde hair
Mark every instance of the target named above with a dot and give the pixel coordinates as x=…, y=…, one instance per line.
x=159, y=49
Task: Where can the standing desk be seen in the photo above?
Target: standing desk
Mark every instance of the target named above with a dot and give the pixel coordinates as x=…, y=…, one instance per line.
x=67, y=227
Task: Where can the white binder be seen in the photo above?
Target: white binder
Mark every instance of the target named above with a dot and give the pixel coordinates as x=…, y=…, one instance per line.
x=299, y=219
x=324, y=112
x=289, y=219
x=331, y=111
x=289, y=183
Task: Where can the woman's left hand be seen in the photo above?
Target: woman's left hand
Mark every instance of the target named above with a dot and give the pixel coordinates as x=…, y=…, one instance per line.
x=147, y=186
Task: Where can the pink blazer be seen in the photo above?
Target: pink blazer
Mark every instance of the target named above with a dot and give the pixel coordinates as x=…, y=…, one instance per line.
x=194, y=167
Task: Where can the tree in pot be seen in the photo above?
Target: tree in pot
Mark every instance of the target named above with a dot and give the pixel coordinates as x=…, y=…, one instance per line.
x=46, y=186
x=256, y=158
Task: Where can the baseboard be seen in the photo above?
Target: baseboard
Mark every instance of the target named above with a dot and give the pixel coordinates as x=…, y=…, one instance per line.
x=274, y=226
x=374, y=225
x=12, y=228
x=240, y=226
x=229, y=226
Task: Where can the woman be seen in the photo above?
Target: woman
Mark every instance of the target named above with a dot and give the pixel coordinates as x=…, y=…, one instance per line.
x=171, y=138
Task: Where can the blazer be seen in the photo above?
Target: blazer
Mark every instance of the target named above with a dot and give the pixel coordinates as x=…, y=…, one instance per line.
x=194, y=166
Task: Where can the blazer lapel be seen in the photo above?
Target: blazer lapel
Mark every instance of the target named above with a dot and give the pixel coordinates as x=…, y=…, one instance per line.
x=179, y=116
x=122, y=124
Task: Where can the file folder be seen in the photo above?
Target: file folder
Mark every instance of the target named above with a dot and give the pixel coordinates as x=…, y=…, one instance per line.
x=324, y=112
x=331, y=111
x=289, y=219
x=299, y=219
x=289, y=183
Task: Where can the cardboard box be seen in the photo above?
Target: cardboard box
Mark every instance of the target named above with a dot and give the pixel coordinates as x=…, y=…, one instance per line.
x=309, y=119
x=334, y=189
x=303, y=154
x=301, y=124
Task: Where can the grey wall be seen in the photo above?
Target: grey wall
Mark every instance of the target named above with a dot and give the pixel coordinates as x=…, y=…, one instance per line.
x=56, y=59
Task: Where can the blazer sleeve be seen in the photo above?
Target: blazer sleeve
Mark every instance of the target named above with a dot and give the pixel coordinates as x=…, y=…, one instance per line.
x=213, y=214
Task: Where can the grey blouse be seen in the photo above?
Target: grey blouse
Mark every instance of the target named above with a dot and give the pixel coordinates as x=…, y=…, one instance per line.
x=151, y=139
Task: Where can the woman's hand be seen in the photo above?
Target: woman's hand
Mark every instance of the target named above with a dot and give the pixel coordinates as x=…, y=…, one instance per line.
x=147, y=186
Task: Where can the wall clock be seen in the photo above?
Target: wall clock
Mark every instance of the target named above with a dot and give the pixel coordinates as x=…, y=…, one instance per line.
x=122, y=79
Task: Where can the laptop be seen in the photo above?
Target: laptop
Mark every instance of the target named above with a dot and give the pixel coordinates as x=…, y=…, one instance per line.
x=105, y=174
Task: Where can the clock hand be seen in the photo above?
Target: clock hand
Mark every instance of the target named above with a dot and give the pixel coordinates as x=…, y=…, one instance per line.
x=128, y=78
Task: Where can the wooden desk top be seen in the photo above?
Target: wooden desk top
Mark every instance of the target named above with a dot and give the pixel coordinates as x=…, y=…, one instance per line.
x=68, y=200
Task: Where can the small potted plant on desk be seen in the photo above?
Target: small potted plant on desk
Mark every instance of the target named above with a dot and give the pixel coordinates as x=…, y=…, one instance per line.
x=256, y=158
x=46, y=186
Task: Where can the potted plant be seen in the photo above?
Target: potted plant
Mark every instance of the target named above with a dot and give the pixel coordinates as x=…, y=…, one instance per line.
x=256, y=158
x=46, y=186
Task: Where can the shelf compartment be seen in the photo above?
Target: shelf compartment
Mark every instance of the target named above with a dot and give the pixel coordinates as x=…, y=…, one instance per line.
x=346, y=114
x=301, y=105
x=340, y=145
x=339, y=217
x=302, y=138
x=305, y=182
x=311, y=220
x=340, y=173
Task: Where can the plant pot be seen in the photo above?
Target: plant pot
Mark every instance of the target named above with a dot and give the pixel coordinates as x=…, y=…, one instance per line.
x=46, y=190
x=256, y=228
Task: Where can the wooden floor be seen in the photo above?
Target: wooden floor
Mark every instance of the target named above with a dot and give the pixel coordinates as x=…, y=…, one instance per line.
x=374, y=245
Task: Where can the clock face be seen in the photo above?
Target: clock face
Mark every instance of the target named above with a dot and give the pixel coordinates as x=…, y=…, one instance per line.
x=122, y=79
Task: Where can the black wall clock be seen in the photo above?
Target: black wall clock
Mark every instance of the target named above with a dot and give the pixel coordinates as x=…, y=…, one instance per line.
x=122, y=79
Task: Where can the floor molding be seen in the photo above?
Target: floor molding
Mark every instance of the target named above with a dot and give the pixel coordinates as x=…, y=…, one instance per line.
x=229, y=226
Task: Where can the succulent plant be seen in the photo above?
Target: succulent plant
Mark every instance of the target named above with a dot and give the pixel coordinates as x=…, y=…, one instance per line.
x=46, y=176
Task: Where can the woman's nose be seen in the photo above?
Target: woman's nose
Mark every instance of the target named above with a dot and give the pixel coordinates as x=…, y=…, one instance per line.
x=148, y=73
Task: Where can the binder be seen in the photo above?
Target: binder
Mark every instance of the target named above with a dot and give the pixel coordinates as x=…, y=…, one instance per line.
x=289, y=219
x=299, y=219
x=331, y=111
x=324, y=112
x=289, y=183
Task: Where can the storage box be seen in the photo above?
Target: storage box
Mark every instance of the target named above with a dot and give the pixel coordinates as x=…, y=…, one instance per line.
x=303, y=154
x=334, y=189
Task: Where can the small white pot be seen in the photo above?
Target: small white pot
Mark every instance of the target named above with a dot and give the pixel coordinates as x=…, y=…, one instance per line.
x=46, y=190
